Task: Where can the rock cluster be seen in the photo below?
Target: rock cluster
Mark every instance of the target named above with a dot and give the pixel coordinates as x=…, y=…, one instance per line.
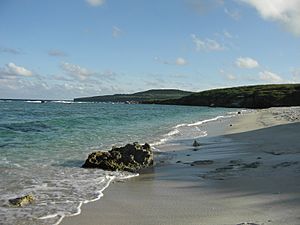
x=21, y=201
x=131, y=158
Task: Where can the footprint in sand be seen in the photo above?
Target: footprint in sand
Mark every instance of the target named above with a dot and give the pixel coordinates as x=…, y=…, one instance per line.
x=202, y=162
x=285, y=164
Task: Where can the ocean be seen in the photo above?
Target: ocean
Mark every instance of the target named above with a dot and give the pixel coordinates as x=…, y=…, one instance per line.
x=43, y=146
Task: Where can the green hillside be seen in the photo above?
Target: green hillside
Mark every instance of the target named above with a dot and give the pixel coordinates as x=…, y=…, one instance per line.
x=139, y=97
x=259, y=96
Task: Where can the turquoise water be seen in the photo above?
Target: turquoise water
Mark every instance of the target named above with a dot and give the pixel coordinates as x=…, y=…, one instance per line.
x=42, y=147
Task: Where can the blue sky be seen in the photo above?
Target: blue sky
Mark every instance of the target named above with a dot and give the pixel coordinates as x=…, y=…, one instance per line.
x=62, y=49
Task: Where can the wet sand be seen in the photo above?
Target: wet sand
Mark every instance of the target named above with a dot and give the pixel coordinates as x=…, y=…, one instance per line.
x=253, y=177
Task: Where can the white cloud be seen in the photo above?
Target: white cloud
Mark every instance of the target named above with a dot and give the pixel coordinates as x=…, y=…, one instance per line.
x=227, y=34
x=116, y=32
x=10, y=50
x=270, y=77
x=181, y=61
x=76, y=71
x=286, y=12
x=246, y=62
x=206, y=44
x=228, y=76
x=56, y=53
x=296, y=74
x=95, y=3
x=74, y=82
x=84, y=74
x=234, y=14
x=12, y=69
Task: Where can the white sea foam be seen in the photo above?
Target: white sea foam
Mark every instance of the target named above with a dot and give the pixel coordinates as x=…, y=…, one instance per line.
x=109, y=178
x=184, y=129
x=166, y=137
x=181, y=125
x=173, y=132
x=100, y=192
x=208, y=120
x=160, y=142
x=63, y=102
x=33, y=101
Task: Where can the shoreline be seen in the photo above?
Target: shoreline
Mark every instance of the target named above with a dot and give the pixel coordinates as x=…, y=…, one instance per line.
x=224, y=192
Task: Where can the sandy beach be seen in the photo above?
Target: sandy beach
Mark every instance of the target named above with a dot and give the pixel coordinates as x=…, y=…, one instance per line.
x=246, y=171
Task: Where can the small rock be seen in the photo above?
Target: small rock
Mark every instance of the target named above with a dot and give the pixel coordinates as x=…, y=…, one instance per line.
x=178, y=161
x=230, y=125
x=239, y=112
x=188, y=155
x=258, y=158
x=21, y=201
x=196, y=143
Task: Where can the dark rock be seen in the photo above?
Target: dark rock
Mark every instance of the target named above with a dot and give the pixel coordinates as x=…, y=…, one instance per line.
x=202, y=162
x=258, y=158
x=188, y=155
x=196, y=143
x=239, y=112
x=131, y=157
x=21, y=201
x=230, y=125
x=178, y=161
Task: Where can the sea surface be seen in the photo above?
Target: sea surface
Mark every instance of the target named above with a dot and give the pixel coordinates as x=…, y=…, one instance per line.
x=43, y=146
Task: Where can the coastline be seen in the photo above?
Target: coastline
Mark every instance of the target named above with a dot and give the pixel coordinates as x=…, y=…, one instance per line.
x=254, y=178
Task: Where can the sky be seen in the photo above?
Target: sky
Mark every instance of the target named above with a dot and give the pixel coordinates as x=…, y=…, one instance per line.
x=63, y=49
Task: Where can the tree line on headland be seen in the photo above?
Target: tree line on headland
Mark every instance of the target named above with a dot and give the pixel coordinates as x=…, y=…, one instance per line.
x=257, y=96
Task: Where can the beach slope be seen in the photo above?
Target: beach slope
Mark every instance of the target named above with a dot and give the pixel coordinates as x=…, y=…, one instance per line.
x=253, y=177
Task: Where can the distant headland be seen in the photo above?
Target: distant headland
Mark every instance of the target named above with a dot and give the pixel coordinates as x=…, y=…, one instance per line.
x=257, y=96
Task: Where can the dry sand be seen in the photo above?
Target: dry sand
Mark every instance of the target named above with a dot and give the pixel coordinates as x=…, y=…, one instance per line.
x=254, y=178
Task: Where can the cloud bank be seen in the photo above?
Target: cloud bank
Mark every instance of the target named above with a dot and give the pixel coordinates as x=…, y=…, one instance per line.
x=95, y=3
x=12, y=70
x=285, y=12
x=270, y=77
x=76, y=71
